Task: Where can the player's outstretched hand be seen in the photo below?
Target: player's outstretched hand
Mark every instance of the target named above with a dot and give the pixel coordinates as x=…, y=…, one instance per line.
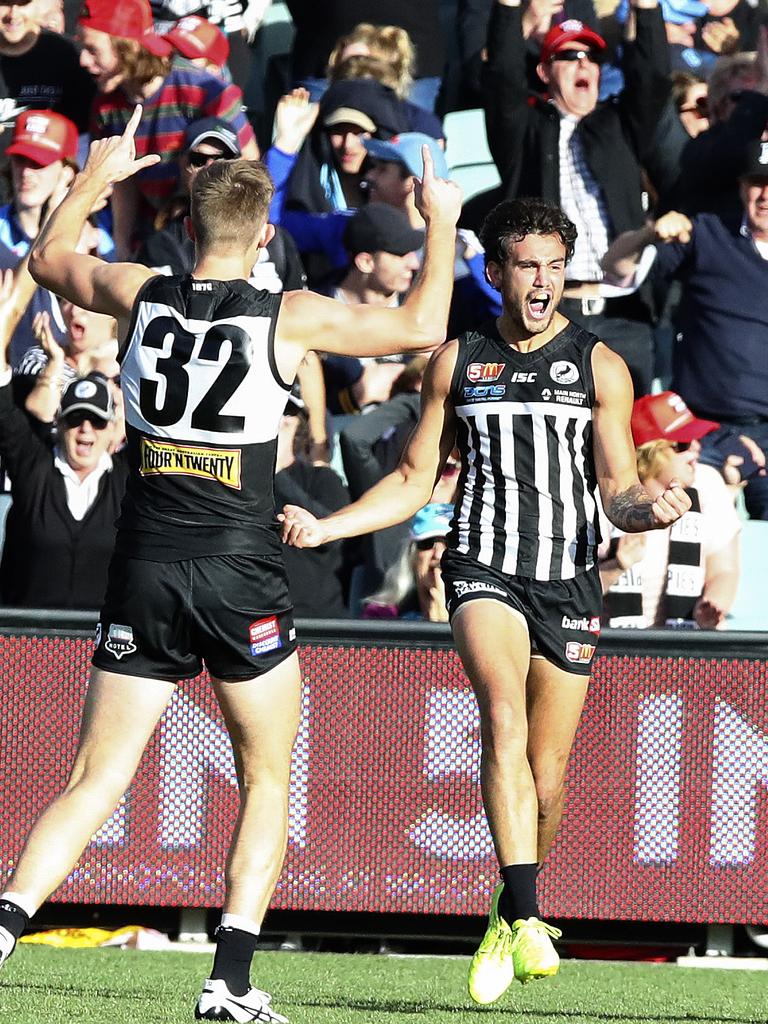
x=113, y=159
x=437, y=200
x=670, y=505
x=300, y=528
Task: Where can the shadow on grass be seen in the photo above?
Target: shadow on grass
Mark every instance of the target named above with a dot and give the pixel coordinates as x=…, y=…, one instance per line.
x=414, y=1008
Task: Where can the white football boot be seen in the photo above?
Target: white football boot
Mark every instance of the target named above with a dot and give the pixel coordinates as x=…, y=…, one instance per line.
x=218, y=1003
x=7, y=945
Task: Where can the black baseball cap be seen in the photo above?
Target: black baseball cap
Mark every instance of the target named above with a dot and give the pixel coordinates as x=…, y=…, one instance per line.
x=212, y=130
x=381, y=228
x=385, y=115
x=89, y=394
x=755, y=163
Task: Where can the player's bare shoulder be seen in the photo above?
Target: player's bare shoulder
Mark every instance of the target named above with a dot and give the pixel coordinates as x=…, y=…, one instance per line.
x=441, y=367
x=611, y=375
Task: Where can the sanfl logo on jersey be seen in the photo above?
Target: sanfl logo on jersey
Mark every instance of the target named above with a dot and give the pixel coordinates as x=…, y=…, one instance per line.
x=564, y=372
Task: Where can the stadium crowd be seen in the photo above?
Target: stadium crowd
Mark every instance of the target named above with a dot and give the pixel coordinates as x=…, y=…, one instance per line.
x=646, y=121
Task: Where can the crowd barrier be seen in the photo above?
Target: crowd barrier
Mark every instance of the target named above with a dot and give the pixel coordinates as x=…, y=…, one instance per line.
x=667, y=817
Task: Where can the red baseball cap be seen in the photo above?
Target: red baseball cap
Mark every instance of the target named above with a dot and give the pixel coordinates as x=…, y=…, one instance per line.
x=195, y=37
x=570, y=31
x=44, y=136
x=126, y=19
x=666, y=417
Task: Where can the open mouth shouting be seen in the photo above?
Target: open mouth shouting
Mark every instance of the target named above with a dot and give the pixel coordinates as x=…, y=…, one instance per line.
x=538, y=305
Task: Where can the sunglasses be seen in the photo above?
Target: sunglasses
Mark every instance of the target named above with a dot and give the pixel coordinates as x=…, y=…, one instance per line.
x=700, y=108
x=201, y=159
x=571, y=55
x=427, y=543
x=681, y=446
x=77, y=419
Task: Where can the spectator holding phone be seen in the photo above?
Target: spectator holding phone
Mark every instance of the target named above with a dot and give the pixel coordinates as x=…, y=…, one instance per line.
x=720, y=365
x=684, y=577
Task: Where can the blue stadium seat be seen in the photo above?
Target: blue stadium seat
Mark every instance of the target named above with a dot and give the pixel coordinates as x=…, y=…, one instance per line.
x=750, y=610
x=467, y=153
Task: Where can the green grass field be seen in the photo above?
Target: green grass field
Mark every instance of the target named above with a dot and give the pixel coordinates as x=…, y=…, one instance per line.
x=58, y=986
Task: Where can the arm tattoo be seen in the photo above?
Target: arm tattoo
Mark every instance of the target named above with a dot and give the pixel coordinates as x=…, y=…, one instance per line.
x=631, y=510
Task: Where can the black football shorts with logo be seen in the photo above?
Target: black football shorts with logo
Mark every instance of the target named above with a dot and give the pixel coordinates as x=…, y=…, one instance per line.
x=163, y=620
x=563, y=616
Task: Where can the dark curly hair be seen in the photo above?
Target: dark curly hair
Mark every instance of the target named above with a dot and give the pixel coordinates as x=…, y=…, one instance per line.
x=513, y=219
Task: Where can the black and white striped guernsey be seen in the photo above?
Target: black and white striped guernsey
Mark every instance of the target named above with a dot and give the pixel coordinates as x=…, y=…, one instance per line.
x=203, y=402
x=526, y=495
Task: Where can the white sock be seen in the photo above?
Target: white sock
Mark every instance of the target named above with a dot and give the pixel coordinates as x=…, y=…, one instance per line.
x=244, y=924
x=25, y=903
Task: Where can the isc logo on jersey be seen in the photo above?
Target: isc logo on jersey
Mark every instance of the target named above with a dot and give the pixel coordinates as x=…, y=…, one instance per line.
x=485, y=373
x=161, y=458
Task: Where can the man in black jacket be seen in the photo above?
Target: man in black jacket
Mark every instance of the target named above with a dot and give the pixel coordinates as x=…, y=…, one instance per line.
x=582, y=154
x=60, y=530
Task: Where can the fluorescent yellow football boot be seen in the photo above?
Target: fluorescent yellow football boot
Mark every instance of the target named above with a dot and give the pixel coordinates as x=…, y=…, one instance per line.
x=533, y=954
x=492, y=970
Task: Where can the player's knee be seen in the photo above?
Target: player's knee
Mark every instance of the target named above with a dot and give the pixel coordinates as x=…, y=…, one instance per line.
x=550, y=788
x=103, y=785
x=504, y=730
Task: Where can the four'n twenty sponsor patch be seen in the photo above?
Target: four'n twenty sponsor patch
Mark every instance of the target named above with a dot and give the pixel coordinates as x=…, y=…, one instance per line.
x=166, y=457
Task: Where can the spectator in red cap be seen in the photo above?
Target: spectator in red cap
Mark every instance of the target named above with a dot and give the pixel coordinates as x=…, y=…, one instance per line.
x=684, y=577
x=41, y=154
x=131, y=64
x=582, y=154
x=202, y=43
x=40, y=69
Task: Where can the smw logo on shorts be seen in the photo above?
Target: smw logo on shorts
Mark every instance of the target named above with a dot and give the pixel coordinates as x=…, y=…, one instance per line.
x=579, y=654
x=119, y=641
x=161, y=458
x=264, y=636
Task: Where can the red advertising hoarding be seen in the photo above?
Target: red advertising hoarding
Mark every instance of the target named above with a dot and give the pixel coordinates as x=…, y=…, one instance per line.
x=667, y=817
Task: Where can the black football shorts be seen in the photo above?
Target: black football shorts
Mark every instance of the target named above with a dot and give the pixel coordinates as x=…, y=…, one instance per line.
x=563, y=616
x=163, y=620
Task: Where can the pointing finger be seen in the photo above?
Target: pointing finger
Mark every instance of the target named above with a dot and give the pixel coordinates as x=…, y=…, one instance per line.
x=133, y=124
x=429, y=166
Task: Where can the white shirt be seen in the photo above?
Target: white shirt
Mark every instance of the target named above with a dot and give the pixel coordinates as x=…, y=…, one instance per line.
x=581, y=199
x=81, y=494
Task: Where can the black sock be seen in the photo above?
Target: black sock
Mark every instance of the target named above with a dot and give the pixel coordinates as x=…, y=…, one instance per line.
x=12, y=918
x=232, y=962
x=519, y=897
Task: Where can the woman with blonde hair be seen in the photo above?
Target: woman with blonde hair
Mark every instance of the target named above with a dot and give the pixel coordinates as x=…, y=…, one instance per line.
x=684, y=577
x=388, y=46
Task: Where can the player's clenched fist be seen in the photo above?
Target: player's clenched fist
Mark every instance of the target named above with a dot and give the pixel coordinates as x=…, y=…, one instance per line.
x=301, y=529
x=672, y=503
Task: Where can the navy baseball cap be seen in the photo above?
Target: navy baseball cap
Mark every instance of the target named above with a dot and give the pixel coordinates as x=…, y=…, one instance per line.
x=381, y=228
x=89, y=394
x=755, y=162
x=213, y=130
x=405, y=149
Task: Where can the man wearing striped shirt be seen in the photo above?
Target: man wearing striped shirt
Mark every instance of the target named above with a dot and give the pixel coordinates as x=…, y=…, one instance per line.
x=540, y=412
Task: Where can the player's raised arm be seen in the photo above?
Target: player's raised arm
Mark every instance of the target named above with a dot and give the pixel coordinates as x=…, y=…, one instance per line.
x=626, y=502
x=407, y=488
x=54, y=262
x=313, y=321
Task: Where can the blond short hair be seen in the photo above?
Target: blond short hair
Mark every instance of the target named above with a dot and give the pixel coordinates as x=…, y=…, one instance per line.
x=651, y=457
x=229, y=203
